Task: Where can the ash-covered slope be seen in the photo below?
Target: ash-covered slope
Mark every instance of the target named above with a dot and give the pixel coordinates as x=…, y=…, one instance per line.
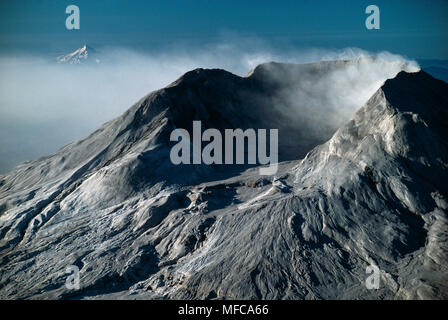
x=138, y=226
x=380, y=187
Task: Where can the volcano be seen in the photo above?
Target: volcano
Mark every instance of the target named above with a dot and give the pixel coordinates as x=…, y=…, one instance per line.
x=358, y=189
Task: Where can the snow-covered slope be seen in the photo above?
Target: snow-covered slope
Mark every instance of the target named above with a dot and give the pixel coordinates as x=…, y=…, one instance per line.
x=138, y=226
x=79, y=56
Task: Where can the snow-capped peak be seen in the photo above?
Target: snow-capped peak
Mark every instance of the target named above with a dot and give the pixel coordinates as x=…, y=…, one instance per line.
x=81, y=55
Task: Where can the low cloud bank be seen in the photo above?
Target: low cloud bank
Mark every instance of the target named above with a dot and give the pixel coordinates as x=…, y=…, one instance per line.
x=45, y=105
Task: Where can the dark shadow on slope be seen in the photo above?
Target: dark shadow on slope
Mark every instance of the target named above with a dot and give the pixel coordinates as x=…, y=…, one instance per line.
x=144, y=265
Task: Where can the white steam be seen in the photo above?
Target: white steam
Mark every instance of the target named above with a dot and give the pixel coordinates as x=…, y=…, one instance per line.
x=323, y=96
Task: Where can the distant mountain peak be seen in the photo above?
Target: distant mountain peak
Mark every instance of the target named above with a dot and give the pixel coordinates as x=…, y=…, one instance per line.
x=79, y=56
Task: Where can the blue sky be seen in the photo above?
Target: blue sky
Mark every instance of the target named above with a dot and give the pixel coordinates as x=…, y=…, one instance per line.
x=416, y=29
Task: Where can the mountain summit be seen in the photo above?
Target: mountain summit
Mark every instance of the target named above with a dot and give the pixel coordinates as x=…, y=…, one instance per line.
x=82, y=55
x=361, y=189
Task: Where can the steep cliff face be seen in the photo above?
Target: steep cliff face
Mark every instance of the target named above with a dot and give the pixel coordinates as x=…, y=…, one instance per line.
x=138, y=226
